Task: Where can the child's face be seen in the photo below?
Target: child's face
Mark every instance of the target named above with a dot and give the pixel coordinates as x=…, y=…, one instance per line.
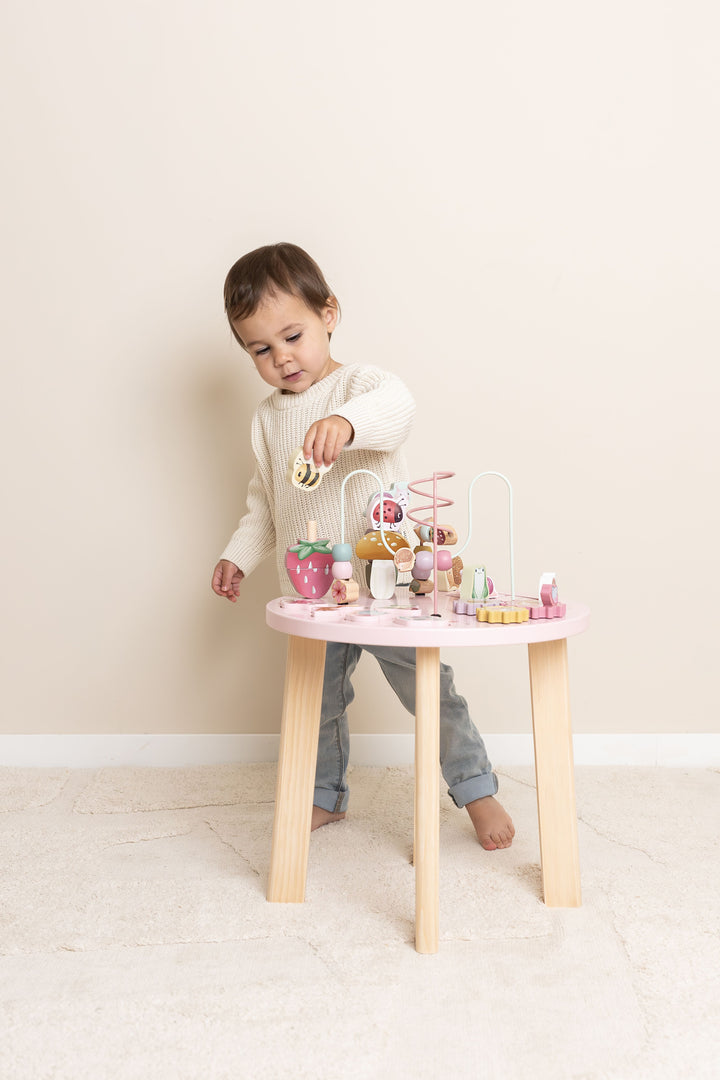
x=289, y=342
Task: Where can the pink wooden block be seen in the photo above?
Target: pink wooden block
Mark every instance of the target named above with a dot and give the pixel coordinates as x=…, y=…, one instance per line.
x=547, y=611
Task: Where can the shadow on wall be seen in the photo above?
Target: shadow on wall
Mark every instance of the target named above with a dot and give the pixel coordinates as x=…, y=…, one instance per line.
x=238, y=661
x=220, y=399
x=178, y=657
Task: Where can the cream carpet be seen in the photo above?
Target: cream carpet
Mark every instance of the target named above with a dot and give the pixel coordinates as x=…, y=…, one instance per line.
x=136, y=942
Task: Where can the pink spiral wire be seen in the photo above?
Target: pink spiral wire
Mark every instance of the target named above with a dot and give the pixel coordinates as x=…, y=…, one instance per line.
x=438, y=502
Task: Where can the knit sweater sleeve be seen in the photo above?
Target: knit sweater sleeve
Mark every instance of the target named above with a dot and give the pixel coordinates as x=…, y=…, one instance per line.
x=380, y=408
x=254, y=537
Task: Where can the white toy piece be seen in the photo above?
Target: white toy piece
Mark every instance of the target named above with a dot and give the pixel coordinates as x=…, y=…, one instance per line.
x=303, y=474
x=382, y=579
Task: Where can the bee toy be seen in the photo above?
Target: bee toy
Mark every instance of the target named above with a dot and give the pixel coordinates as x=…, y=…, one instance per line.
x=303, y=474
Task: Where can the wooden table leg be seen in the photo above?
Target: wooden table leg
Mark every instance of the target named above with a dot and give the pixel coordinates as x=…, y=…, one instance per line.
x=552, y=731
x=296, y=769
x=427, y=800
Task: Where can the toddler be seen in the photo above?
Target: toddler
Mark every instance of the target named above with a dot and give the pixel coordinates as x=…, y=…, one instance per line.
x=356, y=416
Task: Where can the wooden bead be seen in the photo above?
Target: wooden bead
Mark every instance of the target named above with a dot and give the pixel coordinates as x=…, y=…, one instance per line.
x=345, y=592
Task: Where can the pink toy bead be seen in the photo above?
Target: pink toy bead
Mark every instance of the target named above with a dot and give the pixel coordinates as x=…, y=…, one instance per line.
x=423, y=565
x=444, y=559
x=342, y=571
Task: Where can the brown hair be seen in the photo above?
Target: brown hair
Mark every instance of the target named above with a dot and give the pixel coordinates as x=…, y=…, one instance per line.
x=269, y=270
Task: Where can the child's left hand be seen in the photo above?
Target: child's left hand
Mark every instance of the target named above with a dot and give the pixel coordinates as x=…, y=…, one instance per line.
x=326, y=438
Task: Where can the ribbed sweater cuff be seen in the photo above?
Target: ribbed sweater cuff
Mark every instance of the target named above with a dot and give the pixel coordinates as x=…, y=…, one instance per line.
x=246, y=556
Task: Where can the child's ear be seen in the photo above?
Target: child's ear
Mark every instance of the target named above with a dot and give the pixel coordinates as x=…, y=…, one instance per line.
x=331, y=314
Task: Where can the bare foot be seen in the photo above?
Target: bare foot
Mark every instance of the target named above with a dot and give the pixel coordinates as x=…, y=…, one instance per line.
x=323, y=817
x=492, y=822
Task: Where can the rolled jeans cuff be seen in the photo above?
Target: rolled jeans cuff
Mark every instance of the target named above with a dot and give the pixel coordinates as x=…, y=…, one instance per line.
x=477, y=787
x=335, y=802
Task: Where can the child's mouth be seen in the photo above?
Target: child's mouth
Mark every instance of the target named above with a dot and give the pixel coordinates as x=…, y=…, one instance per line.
x=292, y=378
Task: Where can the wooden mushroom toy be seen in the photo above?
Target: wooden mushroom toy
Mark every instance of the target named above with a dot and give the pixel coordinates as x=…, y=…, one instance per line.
x=381, y=574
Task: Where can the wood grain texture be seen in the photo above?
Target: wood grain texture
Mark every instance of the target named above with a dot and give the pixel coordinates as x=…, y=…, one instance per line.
x=554, y=770
x=427, y=800
x=296, y=769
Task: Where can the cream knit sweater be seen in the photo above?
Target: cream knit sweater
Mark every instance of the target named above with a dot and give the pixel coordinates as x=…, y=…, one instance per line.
x=381, y=410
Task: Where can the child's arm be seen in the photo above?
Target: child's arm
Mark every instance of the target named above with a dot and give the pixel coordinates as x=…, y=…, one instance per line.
x=254, y=537
x=377, y=415
x=379, y=408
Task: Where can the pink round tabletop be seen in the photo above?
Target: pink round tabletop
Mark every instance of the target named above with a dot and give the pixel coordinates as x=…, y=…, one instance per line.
x=409, y=621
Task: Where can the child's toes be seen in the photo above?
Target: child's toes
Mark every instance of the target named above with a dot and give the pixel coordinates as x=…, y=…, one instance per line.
x=492, y=822
x=506, y=836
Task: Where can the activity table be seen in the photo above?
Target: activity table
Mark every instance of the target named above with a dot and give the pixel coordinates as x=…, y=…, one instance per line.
x=308, y=630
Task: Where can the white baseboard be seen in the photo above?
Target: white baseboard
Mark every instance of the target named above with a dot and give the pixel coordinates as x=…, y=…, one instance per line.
x=699, y=750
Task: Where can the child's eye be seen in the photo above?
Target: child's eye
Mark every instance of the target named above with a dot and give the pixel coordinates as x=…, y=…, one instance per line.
x=295, y=336
x=261, y=352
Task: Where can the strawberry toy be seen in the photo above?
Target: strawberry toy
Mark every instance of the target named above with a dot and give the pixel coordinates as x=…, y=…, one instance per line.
x=308, y=565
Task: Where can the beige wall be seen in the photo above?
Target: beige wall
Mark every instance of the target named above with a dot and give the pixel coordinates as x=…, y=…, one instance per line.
x=517, y=206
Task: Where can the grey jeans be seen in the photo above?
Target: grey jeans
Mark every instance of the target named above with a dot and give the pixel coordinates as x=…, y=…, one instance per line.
x=463, y=758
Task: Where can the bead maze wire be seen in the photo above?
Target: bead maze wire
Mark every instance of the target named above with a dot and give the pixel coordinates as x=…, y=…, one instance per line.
x=510, y=524
x=355, y=472
x=438, y=502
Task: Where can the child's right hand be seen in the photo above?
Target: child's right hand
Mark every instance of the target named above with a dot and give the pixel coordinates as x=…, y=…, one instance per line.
x=226, y=580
